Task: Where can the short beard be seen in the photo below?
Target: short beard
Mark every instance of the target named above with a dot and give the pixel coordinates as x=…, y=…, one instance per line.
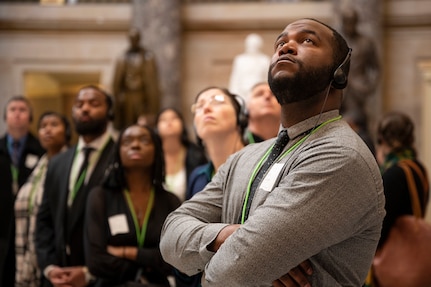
x=302, y=86
x=94, y=127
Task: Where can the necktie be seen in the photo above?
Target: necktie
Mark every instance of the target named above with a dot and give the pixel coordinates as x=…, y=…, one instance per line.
x=80, y=179
x=280, y=143
x=15, y=153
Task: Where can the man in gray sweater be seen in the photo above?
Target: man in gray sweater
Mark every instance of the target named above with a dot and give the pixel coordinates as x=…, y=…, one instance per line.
x=321, y=198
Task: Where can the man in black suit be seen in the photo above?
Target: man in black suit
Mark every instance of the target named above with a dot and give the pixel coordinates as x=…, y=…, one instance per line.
x=19, y=153
x=59, y=227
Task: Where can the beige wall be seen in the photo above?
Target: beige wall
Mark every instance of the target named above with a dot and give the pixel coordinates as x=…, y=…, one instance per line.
x=48, y=52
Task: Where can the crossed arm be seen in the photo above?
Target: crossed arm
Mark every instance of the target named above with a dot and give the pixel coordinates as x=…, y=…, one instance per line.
x=307, y=213
x=295, y=277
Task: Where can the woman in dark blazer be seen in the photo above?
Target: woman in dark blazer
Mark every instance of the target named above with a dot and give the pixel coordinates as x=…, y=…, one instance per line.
x=125, y=216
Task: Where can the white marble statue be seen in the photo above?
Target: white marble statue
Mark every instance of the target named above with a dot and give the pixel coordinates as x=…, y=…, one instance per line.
x=250, y=67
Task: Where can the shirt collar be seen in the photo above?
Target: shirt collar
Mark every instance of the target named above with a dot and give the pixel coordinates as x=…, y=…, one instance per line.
x=307, y=125
x=97, y=144
x=10, y=140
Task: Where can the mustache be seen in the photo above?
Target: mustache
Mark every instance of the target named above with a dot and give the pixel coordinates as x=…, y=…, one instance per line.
x=287, y=57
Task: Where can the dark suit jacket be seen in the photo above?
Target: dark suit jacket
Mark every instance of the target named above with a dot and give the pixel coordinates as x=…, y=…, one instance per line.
x=55, y=226
x=7, y=201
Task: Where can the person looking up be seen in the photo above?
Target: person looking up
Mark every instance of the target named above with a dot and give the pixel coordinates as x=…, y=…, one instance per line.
x=54, y=135
x=313, y=193
x=69, y=178
x=264, y=114
x=124, y=216
x=181, y=155
x=19, y=153
x=219, y=121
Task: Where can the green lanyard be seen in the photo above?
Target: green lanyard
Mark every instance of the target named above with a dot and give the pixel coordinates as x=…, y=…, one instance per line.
x=140, y=232
x=250, y=137
x=81, y=179
x=32, y=196
x=259, y=164
x=15, y=173
x=78, y=184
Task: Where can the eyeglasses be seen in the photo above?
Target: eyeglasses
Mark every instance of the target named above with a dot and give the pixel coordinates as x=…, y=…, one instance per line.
x=129, y=140
x=213, y=100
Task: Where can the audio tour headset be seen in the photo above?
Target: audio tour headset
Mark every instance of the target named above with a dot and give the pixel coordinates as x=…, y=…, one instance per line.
x=339, y=80
x=242, y=115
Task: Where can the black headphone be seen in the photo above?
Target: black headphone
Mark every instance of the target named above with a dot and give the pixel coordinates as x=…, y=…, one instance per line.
x=22, y=99
x=110, y=102
x=67, y=129
x=339, y=79
x=242, y=115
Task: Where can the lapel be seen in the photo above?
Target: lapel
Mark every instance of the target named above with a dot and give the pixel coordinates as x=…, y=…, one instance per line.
x=77, y=210
x=99, y=170
x=69, y=155
x=3, y=146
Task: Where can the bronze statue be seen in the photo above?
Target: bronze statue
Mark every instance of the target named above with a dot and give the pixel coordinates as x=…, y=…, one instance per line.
x=364, y=65
x=135, y=86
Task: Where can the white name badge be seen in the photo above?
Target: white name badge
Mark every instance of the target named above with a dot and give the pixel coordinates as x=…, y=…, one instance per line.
x=118, y=224
x=271, y=177
x=31, y=160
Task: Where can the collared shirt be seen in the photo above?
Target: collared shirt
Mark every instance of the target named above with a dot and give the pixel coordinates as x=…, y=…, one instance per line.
x=27, y=204
x=326, y=204
x=98, y=145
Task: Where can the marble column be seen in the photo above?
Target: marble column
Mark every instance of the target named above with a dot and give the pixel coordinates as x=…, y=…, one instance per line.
x=160, y=26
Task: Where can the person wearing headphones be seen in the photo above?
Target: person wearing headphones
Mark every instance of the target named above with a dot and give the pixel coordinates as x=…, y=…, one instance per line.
x=54, y=136
x=264, y=114
x=313, y=193
x=220, y=119
x=69, y=178
x=19, y=153
x=222, y=136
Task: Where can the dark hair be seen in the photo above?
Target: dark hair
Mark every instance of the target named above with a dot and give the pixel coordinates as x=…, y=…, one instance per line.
x=240, y=109
x=396, y=129
x=19, y=98
x=64, y=120
x=340, y=48
x=114, y=176
x=184, y=134
x=108, y=99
